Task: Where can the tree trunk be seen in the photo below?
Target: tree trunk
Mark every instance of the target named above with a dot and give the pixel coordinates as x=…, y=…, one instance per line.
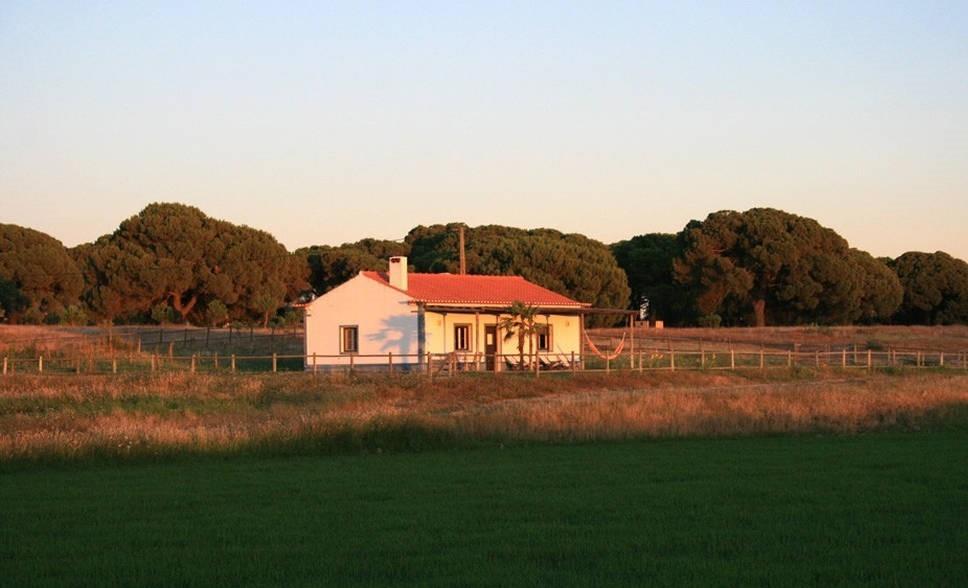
x=265, y=319
x=183, y=308
x=534, y=359
x=759, y=311
x=521, y=349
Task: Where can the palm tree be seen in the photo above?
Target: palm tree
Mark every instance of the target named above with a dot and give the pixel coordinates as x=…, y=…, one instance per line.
x=520, y=322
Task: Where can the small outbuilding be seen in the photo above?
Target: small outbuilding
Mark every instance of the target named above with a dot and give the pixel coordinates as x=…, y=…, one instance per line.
x=398, y=318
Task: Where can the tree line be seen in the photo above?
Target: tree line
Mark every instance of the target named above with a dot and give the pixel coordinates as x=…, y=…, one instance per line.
x=173, y=263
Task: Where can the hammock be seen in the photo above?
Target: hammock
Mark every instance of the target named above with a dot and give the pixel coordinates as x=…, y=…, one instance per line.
x=615, y=354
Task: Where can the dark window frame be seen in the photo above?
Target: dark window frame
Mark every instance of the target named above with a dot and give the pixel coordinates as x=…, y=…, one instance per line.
x=548, y=335
x=342, y=339
x=467, y=338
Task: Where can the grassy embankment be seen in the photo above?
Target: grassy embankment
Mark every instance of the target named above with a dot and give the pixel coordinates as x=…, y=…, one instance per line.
x=65, y=418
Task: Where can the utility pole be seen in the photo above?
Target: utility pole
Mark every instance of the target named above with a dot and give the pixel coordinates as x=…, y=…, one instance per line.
x=463, y=258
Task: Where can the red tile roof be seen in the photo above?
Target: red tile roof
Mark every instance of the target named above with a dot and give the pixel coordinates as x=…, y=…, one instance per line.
x=467, y=289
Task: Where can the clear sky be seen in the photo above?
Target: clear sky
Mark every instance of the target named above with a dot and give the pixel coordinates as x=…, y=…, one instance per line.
x=329, y=122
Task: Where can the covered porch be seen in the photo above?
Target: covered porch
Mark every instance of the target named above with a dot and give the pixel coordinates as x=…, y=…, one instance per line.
x=476, y=338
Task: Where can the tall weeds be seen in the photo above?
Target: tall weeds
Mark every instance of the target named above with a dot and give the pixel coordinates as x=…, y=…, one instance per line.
x=75, y=417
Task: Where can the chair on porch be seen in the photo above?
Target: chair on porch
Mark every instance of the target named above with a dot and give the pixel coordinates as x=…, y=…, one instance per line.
x=548, y=363
x=512, y=363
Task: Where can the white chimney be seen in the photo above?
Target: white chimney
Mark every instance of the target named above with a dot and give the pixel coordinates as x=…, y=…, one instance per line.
x=398, y=273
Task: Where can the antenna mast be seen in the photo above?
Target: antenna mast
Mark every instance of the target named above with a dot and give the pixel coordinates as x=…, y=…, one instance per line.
x=463, y=258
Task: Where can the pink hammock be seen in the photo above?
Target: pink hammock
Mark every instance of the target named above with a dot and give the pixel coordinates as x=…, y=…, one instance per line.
x=615, y=354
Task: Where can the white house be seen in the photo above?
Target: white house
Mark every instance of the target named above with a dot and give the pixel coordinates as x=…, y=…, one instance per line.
x=377, y=318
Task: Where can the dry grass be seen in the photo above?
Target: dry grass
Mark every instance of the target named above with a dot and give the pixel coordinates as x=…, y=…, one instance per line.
x=953, y=339
x=69, y=417
x=30, y=340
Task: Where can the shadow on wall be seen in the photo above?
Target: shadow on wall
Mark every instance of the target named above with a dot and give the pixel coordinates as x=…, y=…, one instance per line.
x=396, y=334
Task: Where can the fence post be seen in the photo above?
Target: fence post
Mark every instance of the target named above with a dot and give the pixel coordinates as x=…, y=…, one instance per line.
x=843, y=358
x=537, y=365
x=193, y=363
x=430, y=368
x=314, y=363
x=941, y=359
x=232, y=361
x=390, y=362
x=672, y=359
x=702, y=359
x=817, y=358
x=274, y=362
x=153, y=359
x=732, y=359
x=641, y=355
x=40, y=364
x=5, y=365
x=215, y=361
x=574, y=367
x=171, y=349
x=77, y=365
x=762, y=358
x=114, y=365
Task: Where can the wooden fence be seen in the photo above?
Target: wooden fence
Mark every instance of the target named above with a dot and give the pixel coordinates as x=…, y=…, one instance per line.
x=451, y=364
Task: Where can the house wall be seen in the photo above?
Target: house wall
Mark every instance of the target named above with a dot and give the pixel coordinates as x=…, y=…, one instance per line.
x=386, y=319
x=566, y=334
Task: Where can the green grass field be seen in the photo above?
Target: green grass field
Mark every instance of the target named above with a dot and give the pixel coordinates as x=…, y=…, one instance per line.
x=886, y=508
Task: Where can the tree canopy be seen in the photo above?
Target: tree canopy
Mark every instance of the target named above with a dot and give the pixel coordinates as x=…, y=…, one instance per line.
x=935, y=288
x=175, y=254
x=331, y=266
x=782, y=267
x=570, y=264
x=40, y=268
x=648, y=262
x=173, y=262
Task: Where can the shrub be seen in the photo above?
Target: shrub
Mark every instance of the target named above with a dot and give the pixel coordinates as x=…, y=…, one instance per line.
x=162, y=314
x=216, y=313
x=709, y=321
x=290, y=318
x=74, y=315
x=33, y=316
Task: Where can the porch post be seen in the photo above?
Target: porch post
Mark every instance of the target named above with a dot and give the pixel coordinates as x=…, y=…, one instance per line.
x=477, y=343
x=498, y=343
x=444, y=328
x=581, y=339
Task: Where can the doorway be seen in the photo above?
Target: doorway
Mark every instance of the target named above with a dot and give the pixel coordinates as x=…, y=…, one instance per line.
x=490, y=346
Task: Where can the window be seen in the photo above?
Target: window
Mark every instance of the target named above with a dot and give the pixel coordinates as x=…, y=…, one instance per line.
x=462, y=337
x=349, y=339
x=544, y=337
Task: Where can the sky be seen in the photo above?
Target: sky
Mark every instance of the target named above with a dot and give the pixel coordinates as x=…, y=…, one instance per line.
x=324, y=123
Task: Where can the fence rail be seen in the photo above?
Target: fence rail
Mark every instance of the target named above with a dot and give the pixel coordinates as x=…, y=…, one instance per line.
x=451, y=364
